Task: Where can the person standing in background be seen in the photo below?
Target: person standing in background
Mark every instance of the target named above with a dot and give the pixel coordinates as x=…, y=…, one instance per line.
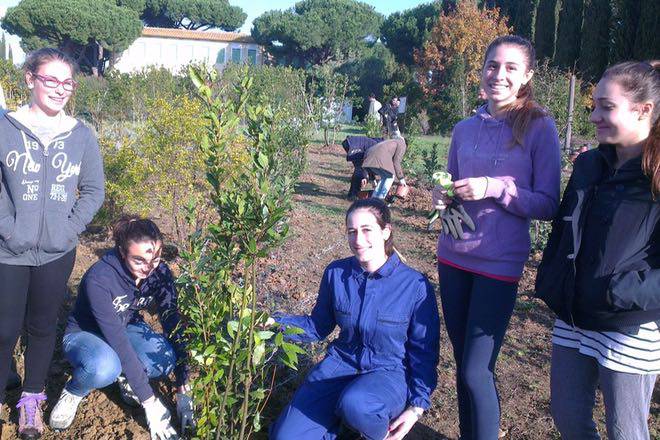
x=390, y=114
x=374, y=107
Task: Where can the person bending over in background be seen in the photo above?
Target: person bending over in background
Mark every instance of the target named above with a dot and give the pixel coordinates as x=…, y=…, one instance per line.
x=506, y=163
x=600, y=271
x=378, y=375
x=384, y=159
x=106, y=335
x=51, y=187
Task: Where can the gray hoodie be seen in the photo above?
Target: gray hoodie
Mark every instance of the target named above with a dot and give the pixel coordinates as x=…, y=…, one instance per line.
x=48, y=194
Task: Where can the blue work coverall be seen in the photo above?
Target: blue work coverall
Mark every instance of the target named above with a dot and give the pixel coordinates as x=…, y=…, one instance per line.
x=384, y=359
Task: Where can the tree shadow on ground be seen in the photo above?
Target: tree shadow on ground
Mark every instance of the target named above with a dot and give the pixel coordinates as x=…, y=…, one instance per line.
x=342, y=178
x=422, y=432
x=314, y=190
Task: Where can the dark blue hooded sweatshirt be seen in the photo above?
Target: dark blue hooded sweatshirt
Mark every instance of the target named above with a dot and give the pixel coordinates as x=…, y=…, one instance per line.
x=108, y=300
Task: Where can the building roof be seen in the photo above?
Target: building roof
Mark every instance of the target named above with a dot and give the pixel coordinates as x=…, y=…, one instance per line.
x=196, y=35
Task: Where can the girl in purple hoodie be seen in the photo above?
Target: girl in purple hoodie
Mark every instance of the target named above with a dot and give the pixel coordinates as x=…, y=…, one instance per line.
x=505, y=163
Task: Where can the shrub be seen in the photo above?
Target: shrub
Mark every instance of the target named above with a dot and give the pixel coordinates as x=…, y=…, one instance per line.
x=13, y=85
x=232, y=347
x=551, y=89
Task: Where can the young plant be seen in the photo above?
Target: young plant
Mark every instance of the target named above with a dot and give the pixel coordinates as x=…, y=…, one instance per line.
x=443, y=179
x=233, y=345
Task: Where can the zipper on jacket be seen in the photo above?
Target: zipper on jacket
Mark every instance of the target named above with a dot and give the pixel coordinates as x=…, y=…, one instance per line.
x=43, y=202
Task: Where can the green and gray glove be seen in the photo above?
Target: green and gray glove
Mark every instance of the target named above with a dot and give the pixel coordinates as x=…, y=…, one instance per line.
x=453, y=218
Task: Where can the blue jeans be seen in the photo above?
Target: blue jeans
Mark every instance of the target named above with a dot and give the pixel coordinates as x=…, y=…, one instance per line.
x=476, y=310
x=96, y=365
x=386, y=181
x=574, y=378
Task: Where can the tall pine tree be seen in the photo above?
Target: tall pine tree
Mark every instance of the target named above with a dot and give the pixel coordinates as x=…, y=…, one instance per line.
x=545, y=30
x=647, y=42
x=569, y=32
x=595, y=42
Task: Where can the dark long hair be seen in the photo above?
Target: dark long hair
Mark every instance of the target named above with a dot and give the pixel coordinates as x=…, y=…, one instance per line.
x=522, y=111
x=383, y=217
x=641, y=83
x=133, y=228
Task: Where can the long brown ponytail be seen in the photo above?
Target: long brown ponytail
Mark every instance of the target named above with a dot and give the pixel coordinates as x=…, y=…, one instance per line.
x=641, y=83
x=522, y=111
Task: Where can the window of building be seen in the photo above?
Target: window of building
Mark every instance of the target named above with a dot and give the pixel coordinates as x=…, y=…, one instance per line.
x=252, y=56
x=220, y=59
x=236, y=55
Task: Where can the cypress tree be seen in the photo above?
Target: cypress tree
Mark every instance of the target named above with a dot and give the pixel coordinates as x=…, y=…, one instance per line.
x=625, y=21
x=525, y=20
x=595, y=41
x=647, y=42
x=545, y=34
x=10, y=56
x=3, y=47
x=569, y=31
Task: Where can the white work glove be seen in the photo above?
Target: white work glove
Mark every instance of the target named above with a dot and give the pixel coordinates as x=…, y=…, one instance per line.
x=158, y=419
x=184, y=411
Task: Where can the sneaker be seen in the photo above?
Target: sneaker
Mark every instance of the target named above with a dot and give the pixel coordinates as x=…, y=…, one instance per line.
x=126, y=392
x=30, y=417
x=65, y=410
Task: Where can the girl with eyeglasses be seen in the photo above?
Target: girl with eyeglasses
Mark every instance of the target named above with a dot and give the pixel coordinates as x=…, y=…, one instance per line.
x=51, y=187
x=106, y=339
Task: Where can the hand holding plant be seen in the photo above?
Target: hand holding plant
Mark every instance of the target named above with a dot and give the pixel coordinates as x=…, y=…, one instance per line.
x=442, y=194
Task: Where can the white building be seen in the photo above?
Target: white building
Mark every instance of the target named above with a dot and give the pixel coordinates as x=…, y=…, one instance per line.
x=176, y=48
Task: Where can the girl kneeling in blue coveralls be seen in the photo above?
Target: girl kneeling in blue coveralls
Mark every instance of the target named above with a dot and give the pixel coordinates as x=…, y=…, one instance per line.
x=379, y=373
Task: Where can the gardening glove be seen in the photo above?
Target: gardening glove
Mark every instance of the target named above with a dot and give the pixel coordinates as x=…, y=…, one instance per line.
x=184, y=411
x=453, y=218
x=158, y=419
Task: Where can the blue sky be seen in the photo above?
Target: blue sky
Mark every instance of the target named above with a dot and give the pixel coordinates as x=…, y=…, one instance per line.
x=255, y=8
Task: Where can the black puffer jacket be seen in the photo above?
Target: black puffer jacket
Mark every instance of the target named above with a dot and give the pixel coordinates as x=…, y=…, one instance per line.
x=601, y=267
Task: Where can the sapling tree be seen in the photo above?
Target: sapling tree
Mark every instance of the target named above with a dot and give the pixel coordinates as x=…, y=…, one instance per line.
x=233, y=345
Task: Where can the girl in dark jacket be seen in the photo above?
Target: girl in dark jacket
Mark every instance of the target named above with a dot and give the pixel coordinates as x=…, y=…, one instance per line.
x=51, y=187
x=106, y=335
x=601, y=269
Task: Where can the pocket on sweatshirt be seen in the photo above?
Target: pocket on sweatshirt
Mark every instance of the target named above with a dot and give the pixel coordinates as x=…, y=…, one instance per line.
x=58, y=234
x=6, y=226
x=23, y=234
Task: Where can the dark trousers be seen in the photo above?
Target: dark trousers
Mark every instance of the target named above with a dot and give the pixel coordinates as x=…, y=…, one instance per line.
x=476, y=310
x=31, y=294
x=359, y=173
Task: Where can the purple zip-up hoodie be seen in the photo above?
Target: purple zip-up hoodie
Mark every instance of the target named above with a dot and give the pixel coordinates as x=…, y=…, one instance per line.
x=523, y=184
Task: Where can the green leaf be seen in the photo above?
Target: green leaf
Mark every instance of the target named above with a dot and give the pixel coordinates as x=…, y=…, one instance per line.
x=262, y=160
x=258, y=353
x=194, y=76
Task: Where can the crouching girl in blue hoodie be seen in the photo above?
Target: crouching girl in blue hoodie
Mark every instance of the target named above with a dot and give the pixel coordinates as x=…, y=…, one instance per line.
x=379, y=373
x=106, y=336
x=51, y=185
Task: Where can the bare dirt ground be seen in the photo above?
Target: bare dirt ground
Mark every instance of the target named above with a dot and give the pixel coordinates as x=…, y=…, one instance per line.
x=290, y=280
